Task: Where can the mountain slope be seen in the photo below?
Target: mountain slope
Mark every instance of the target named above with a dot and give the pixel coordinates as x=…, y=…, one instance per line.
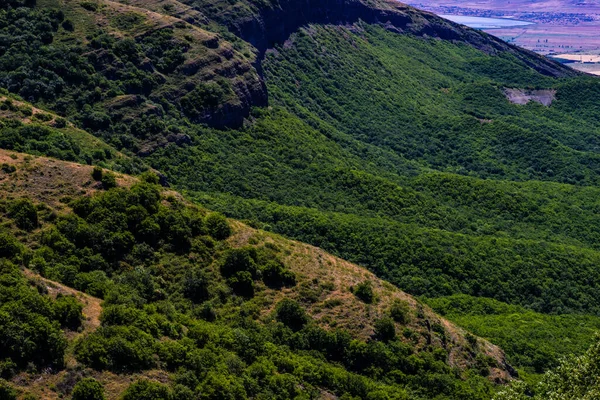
x=156, y=294
x=389, y=140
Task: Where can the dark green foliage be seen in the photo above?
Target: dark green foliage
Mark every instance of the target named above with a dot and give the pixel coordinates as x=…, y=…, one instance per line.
x=364, y=291
x=97, y=174
x=240, y=260
x=147, y=390
x=531, y=340
x=47, y=141
x=385, y=330
x=217, y=226
x=88, y=389
x=242, y=283
x=118, y=349
x=108, y=180
x=10, y=248
x=204, y=97
x=291, y=314
x=29, y=332
x=7, y=392
x=196, y=285
x=9, y=169
x=24, y=214
x=275, y=275
x=400, y=311
x=68, y=311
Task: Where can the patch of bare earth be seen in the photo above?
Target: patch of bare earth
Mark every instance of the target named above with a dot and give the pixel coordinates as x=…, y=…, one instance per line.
x=523, y=96
x=48, y=180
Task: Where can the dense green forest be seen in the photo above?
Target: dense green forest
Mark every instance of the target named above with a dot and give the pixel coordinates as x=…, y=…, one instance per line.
x=397, y=152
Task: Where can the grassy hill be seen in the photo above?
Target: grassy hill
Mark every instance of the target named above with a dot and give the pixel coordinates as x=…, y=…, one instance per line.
x=374, y=131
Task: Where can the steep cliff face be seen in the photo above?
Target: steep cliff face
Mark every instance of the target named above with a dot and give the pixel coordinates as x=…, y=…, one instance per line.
x=265, y=25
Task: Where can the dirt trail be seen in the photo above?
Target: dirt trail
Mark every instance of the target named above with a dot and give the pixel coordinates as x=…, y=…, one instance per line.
x=92, y=306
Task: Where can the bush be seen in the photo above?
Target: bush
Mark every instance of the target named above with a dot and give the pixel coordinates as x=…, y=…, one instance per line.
x=97, y=174
x=88, y=389
x=275, y=275
x=400, y=311
x=242, y=284
x=196, y=285
x=109, y=180
x=385, y=330
x=116, y=348
x=364, y=291
x=9, y=246
x=238, y=260
x=147, y=390
x=217, y=226
x=7, y=392
x=291, y=314
x=68, y=311
x=24, y=213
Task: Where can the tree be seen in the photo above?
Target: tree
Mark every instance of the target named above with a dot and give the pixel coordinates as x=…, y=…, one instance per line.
x=24, y=213
x=68, y=311
x=575, y=378
x=217, y=226
x=385, y=330
x=291, y=314
x=364, y=291
x=147, y=390
x=97, y=174
x=108, y=180
x=88, y=389
x=400, y=311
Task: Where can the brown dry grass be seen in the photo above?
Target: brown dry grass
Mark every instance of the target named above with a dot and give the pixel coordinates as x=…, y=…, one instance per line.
x=48, y=180
x=92, y=306
x=330, y=279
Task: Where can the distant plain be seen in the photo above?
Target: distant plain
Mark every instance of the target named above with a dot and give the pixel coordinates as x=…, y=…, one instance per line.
x=563, y=28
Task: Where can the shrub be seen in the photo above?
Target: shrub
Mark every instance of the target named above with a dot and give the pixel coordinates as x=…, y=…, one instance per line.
x=276, y=275
x=88, y=389
x=9, y=246
x=147, y=390
x=291, y=314
x=109, y=181
x=24, y=213
x=400, y=311
x=242, y=283
x=116, y=348
x=364, y=291
x=196, y=285
x=217, y=226
x=97, y=174
x=385, y=330
x=68, y=311
x=238, y=260
x=7, y=392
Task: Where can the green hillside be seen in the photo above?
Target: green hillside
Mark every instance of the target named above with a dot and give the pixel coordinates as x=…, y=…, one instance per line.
x=373, y=131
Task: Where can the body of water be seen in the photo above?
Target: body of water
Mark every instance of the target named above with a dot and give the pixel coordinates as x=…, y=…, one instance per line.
x=485, y=23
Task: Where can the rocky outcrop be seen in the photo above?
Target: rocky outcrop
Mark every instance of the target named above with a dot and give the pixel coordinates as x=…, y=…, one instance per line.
x=266, y=26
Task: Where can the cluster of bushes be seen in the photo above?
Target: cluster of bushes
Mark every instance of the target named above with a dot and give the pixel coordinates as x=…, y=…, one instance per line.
x=30, y=322
x=241, y=267
x=287, y=357
x=42, y=140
